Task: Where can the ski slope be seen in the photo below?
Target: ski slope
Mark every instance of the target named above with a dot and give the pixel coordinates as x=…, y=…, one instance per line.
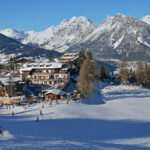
x=122, y=122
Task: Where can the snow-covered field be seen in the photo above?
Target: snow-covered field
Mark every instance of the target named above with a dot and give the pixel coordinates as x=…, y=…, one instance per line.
x=121, y=123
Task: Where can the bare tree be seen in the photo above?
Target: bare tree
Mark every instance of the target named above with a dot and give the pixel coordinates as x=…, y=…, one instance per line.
x=139, y=72
x=123, y=73
x=146, y=80
x=86, y=77
x=81, y=57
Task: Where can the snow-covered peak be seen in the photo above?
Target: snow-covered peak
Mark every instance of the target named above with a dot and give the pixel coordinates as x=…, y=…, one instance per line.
x=117, y=16
x=58, y=38
x=146, y=19
x=13, y=33
x=110, y=24
x=116, y=37
x=120, y=15
x=76, y=21
x=61, y=37
x=107, y=20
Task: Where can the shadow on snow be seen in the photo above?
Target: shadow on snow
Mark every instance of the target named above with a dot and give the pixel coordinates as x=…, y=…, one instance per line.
x=72, y=133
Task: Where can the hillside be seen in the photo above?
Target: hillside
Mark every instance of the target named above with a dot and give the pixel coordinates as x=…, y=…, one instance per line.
x=121, y=123
x=11, y=46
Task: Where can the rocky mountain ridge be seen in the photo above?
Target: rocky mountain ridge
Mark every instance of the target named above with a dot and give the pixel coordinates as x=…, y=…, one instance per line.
x=116, y=37
x=58, y=38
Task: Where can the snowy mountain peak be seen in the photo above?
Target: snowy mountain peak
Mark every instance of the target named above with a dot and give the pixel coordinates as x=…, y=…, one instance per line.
x=120, y=15
x=108, y=19
x=117, y=16
x=58, y=38
x=76, y=20
x=146, y=19
x=117, y=37
x=12, y=33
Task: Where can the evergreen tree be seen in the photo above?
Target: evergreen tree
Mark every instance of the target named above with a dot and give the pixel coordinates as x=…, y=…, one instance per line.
x=102, y=72
x=86, y=77
x=1, y=66
x=81, y=57
x=132, y=77
x=51, y=57
x=123, y=73
x=12, y=65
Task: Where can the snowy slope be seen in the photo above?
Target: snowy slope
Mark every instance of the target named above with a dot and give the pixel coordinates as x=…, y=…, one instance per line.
x=146, y=19
x=58, y=38
x=122, y=123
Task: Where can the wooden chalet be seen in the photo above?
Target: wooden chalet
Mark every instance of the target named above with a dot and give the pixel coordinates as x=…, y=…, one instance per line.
x=54, y=94
x=9, y=89
x=22, y=61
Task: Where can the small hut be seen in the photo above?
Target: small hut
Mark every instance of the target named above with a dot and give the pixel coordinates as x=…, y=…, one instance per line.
x=54, y=94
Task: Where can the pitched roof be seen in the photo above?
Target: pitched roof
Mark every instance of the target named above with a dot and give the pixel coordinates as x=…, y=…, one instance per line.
x=5, y=81
x=56, y=91
x=30, y=66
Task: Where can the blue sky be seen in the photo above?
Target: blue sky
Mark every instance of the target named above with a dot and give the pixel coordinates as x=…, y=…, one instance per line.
x=40, y=14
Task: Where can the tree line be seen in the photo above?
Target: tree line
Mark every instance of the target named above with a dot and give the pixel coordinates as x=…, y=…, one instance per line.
x=88, y=73
x=140, y=74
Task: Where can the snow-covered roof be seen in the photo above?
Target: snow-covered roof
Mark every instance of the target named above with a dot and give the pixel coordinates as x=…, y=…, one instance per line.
x=56, y=60
x=70, y=54
x=67, y=57
x=66, y=68
x=5, y=81
x=27, y=58
x=26, y=69
x=30, y=66
x=56, y=91
x=15, y=79
x=56, y=65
